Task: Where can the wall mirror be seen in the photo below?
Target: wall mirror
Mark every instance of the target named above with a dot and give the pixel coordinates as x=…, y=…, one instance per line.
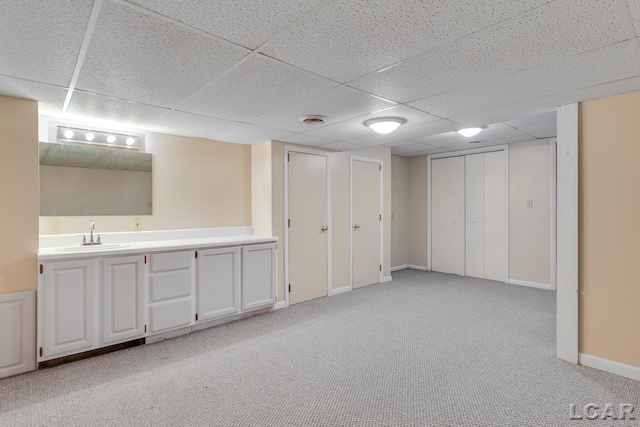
x=78, y=180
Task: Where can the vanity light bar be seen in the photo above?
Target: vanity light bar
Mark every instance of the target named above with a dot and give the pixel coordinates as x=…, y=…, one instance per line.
x=97, y=137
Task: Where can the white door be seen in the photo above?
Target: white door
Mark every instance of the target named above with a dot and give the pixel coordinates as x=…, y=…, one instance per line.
x=69, y=307
x=448, y=215
x=367, y=216
x=218, y=283
x=495, y=251
x=474, y=238
x=123, y=282
x=258, y=276
x=308, y=227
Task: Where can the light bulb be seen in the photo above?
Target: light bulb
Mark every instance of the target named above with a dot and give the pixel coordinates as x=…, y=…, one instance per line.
x=469, y=132
x=89, y=136
x=111, y=139
x=384, y=125
x=68, y=134
x=130, y=140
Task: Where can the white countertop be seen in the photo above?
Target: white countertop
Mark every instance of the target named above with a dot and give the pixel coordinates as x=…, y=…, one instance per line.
x=56, y=253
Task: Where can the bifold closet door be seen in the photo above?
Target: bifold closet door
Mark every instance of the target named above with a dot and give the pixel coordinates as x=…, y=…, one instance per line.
x=485, y=216
x=447, y=222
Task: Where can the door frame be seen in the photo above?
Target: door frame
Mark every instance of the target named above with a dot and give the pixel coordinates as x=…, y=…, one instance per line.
x=287, y=150
x=353, y=158
x=491, y=149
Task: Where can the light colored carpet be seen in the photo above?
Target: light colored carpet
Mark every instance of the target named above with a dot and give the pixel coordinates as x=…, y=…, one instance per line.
x=427, y=349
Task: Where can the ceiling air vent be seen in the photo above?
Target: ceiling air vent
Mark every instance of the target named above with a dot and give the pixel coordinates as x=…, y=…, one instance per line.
x=314, y=120
x=474, y=142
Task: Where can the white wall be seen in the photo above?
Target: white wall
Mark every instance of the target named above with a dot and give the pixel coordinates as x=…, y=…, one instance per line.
x=418, y=211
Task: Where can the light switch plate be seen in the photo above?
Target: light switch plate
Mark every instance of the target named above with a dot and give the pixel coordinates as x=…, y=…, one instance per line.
x=137, y=224
x=529, y=204
x=54, y=226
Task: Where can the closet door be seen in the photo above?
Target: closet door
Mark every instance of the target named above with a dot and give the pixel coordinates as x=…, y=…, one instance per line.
x=475, y=187
x=447, y=221
x=495, y=255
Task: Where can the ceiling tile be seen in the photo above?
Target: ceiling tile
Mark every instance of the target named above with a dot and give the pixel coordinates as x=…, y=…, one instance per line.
x=634, y=10
x=548, y=33
x=267, y=83
x=95, y=107
x=342, y=146
x=351, y=38
x=506, y=112
x=140, y=58
x=610, y=63
x=246, y=22
x=538, y=118
x=355, y=128
x=41, y=39
x=411, y=149
x=188, y=124
x=305, y=139
x=599, y=91
x=338, y=104
x=541, y=127
x=399, y=143
x=51, y=98
x=250, y=134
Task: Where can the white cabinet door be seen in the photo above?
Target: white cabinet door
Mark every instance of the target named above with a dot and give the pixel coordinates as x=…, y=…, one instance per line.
x=171, y=297
x=122, y=298
x=258, y=276
x=70, y=307
x=218, y=283
x=475, y=250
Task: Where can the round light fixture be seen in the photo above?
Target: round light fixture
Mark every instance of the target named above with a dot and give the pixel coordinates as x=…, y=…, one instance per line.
x=89, y=136
x=68, y=134
x=314, y=119
x=130, y=140
x=384, y=125
x=469, y=132
x=111, y=139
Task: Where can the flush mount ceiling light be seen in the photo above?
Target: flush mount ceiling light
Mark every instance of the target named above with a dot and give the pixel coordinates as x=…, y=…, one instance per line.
x=384, y=125
x=469, y=132
x=314, y=119
x=96, y=137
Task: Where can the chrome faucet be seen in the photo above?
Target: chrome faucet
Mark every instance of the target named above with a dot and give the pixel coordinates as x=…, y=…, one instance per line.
x=91, y=241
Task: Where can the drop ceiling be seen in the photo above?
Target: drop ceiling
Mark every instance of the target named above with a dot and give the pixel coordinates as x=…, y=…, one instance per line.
x=244, y=71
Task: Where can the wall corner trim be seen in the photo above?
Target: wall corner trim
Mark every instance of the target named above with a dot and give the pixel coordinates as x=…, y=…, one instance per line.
x=386, y=279
x=417, y=267
x=627, y=371
x=400, y=267
x=338, y=291
x=279, y=305
x=529, y=284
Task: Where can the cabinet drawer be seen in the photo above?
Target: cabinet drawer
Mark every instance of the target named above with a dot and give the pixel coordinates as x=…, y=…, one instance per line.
x=171, y=261
x=170, y=315
x=172, y=284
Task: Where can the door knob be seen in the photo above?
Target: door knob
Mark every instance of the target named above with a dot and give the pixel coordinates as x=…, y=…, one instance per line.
x=356, y=226
x=324, y=228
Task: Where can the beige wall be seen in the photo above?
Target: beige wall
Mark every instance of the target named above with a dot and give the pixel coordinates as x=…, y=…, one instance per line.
x=196, y=183
x=418, y=211
x=399, y=211
x=19, y=194
x=529, y=229
x=609, y=228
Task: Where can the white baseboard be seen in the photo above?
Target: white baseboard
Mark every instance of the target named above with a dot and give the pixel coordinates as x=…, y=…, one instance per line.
x=18, y=332
x=627, y=371
x=529, y=284
x=341, y=290
x=279, y=305
x=386, y=279
x=417, y=267
x=400, y=267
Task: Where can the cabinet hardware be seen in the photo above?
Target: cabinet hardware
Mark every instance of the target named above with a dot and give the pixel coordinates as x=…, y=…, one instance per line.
x=145, y=329
x=196, y=317
x=41, y=268
x=196, y=254
x=41, y=352
x=145, y=259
